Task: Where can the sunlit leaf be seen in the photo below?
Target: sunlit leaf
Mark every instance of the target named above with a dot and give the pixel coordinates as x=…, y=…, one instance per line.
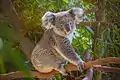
x=66, y=1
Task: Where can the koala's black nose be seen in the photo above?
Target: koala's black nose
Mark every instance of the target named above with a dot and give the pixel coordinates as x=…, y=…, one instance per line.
x=67, y=27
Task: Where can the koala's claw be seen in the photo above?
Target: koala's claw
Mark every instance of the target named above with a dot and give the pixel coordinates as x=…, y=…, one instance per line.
x=63, y=72
x=81, y=66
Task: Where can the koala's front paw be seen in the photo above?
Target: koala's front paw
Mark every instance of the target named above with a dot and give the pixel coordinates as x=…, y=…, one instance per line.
x=81, y=65
x=62, y=70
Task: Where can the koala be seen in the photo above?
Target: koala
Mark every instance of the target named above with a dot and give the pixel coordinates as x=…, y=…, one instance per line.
x=55, y=46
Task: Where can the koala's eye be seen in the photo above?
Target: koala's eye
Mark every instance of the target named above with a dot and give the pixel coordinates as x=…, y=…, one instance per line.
x=74, y=33
x=67, y=25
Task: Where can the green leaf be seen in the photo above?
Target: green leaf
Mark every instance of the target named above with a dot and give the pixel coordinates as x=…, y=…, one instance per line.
x=66, y=1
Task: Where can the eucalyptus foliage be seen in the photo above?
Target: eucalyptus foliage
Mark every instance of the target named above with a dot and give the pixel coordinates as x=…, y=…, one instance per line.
x=31, y=11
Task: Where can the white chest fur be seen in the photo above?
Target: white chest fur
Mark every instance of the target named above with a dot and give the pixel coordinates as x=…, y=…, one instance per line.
x=72, y=35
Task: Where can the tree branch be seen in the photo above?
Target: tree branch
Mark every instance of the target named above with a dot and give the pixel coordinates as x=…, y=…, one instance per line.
x=107, y=69
x=102, y=61
x=69, y=67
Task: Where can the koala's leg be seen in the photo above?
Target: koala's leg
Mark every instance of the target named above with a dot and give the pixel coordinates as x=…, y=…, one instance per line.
x=60, y=68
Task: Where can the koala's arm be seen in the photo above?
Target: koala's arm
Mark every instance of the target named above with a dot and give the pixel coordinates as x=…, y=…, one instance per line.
x=65, y=49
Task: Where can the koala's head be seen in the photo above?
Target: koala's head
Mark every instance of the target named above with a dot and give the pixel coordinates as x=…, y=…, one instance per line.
x=64, y=22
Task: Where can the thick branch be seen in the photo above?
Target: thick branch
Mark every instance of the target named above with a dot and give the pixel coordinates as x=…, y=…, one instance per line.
x=9, y=10
x=103, y=61
x=107, y=69
x=100, y=13
x=69, y=67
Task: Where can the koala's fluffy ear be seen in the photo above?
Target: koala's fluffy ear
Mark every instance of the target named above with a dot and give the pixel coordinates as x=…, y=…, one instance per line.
x=48, y=20
x=77, y=13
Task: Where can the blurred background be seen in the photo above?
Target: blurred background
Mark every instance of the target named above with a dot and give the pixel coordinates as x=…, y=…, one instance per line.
x=100, y=34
